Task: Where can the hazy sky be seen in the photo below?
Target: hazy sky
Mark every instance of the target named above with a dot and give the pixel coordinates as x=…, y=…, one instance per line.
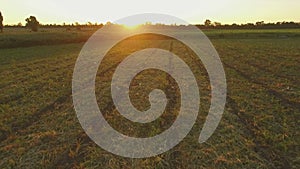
x=193, y=11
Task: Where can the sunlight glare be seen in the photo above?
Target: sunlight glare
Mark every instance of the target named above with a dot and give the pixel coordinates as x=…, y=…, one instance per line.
x=131, y=26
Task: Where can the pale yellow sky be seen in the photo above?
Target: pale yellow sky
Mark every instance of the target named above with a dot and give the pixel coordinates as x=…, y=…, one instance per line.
x=193, y=11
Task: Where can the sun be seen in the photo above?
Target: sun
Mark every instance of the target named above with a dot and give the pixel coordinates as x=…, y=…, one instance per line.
x=131, y=26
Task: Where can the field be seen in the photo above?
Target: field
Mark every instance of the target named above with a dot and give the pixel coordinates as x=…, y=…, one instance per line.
x=259, y=128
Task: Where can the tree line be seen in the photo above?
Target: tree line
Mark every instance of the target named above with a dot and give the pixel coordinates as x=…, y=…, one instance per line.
x=34, y=24
x=258, y=25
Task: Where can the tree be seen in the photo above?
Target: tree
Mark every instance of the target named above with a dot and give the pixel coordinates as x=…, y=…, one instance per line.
x=260, y=23
x=1, y=22
x=207, y=22
x=89, y=24
x=217, y=24
x=32, y=23
x=77, y=24
x=108, y=23
x=19, y=24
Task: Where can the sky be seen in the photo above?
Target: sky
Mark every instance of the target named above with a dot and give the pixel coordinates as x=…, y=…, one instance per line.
x=192, y=11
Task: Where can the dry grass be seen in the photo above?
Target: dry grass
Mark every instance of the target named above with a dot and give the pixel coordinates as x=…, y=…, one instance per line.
x=259, y=129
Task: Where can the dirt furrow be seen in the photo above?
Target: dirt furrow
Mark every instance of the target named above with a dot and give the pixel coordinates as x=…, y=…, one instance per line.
x=259, y=148
x=272, y=92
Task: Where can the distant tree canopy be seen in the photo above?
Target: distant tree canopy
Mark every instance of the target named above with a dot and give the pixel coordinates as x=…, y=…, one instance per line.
x=32, y=23
x=1, y=22
x=207, y=22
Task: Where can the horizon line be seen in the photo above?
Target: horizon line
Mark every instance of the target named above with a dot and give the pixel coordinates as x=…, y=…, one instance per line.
x=149, y=23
